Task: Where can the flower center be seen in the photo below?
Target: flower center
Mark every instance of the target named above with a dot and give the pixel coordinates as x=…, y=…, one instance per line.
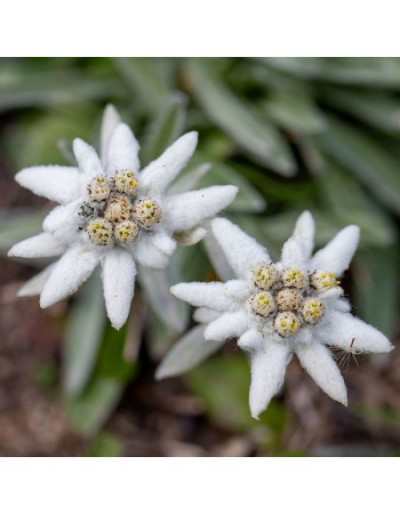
x=289, y=298
x=112, y=214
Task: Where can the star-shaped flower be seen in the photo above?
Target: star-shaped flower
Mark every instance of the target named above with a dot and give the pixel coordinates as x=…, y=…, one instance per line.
x=294, y=306
x=113, y=215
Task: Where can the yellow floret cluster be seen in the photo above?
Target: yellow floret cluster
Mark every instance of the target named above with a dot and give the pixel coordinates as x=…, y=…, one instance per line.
x=113, y=214
x=289, y=297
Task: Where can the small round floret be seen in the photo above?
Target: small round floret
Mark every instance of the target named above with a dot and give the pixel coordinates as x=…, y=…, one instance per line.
x=287, y=324
x=265, y=276
x=126, y=182
x=312, y=310
x=147, y=212
x=295, y=277
x=323, y=280
x=289, y=299
x=100, y=231
x=126, y=231
x=118, y=209
x=262, y=303
x=99, y=189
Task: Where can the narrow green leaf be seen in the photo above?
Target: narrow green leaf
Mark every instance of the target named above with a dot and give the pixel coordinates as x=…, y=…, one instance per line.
x=294, y=111
x=105, y=445
x=377, y=287
x=165, y=128
x=366, y=159
x=365, y=71
x=351, y=205
x=146, y=79
x=83, y=336
x=255, y=135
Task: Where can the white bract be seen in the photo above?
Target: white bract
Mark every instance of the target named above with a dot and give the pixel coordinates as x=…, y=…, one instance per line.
x=113, y=215
x=294, y=306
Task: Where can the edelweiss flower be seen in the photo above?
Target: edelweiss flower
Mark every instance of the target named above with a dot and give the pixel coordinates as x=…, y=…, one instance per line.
x=294, y=306
x=113, y=215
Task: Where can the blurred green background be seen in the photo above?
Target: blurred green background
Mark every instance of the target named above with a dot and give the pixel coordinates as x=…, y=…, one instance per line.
x=293, y=133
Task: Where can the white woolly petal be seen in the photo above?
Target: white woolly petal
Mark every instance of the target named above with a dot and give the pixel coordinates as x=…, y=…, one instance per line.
x=298, y=249
x=352, y=334
x=252, y=339
x=60, y=184
x=238, y=289
x=157, y=176
x=63, y=222
x=148, y=255
x=111, y=119
x=87, y=159
x=317, y=360
x=187, y=353
x=74, y=268
x=186, y=210
x=230, y=324
x=337, y=254
x=205, y=315
x=242, y=251
x=268, y=369
x=119, y=273
x=212, y=295
x=35, y=285
x=42, y=245
x=123, y=151
x=164, y=242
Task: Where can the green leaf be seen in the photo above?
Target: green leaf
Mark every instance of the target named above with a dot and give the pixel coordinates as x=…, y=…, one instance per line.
x=146, y=78
x=90, y=410
x=377, y=287
x=255, y=135
x=18, y=224
x=365, y=159
x=165, y=128
x=365, y=71
x=105, y=445
x=294, y=111
x=351, y=205
x=379, y=110
x=83, y=336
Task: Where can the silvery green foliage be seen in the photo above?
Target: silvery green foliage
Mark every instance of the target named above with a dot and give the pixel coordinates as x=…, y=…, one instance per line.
x=67, y=229
x=226, y=310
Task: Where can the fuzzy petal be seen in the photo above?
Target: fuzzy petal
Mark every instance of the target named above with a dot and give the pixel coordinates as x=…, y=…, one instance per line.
x=119, y=273
x=317, y=360
x=337, y=254
x=242, y=251
x=252, y=339
x=230, y=324
x=157, y=176
x=63, y=222
x=122, y=151
x=148, y=255
x=42, y=245
x=164, y=242
x=353, y=335
x=212, y=295
x=298, y=249
x=74, y=268
x=268, y=369
x=187, y=353
x=60, y=184
x=35, y=285
x=205, y=315
x=87, y=159
x=189, y=209
x=190, y=237
x=111, y=119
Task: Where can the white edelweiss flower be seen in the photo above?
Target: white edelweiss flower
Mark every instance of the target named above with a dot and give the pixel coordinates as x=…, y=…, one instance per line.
x=294, y=306
x=113, y=214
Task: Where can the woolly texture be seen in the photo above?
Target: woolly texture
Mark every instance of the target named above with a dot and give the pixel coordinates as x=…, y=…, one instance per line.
x=104, y=215
x=300, y=312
